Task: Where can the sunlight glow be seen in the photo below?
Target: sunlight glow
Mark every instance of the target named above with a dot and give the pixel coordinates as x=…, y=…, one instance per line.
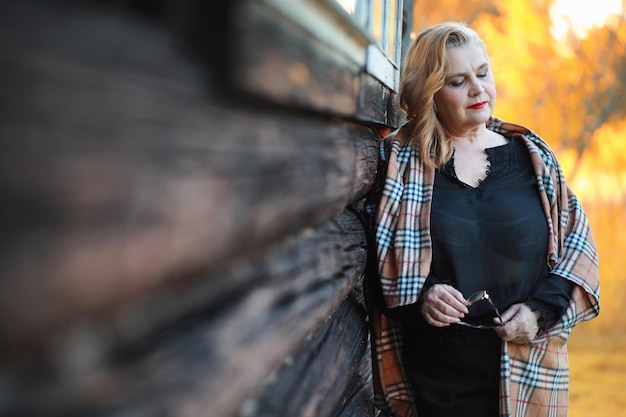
x=578, y=16
x=348, y=5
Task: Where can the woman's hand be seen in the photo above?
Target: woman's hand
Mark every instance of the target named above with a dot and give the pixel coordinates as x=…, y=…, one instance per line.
x=443, y=305
x=520, y=324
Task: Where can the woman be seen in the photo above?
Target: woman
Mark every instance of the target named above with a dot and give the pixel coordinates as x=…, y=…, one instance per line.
x=483, y=261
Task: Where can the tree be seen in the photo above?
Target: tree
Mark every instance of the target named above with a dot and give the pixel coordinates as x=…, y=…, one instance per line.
x=599, y=93
x=428, y=12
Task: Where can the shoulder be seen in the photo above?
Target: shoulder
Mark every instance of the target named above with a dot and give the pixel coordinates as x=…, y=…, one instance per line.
x=534, y=143
x=397, y=142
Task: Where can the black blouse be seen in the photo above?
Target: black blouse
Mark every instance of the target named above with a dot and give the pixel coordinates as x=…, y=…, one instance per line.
x=494, y=237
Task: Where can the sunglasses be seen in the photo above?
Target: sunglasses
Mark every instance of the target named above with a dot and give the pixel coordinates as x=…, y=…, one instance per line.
x=479, y=296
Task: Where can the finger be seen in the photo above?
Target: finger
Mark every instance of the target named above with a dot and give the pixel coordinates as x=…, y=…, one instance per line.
x=440, y=312
x=444, y=298
x=510, y=313
x=520, y=329
x=454, y=298
x=526, y=318
x=436, y=318
x=436, y=323
x=508, y=332
x=456, y=294
x=498, y=322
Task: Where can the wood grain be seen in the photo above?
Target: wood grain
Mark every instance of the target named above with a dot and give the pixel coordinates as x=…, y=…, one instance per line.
x=208, y=347
x=179, y=235
x=120, y=182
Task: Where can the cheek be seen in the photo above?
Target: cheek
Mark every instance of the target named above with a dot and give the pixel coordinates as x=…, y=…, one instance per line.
x=491, y=90
x=492, y=99
x=447, y=100
x=437, y=98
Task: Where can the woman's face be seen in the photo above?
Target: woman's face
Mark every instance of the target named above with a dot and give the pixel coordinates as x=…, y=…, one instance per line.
x=468, y=96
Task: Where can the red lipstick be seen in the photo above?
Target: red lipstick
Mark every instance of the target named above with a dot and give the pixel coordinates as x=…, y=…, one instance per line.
x=478, y=106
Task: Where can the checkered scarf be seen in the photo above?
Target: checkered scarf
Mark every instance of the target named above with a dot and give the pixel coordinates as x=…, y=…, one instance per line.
x=534, y=376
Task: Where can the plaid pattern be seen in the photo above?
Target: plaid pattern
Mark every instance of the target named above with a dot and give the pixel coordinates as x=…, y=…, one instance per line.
x=534, y=376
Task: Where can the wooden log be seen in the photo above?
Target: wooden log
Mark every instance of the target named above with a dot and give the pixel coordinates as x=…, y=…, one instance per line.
x=377, y=101
x=308, y=55
x=324, y=376
x=358, y=398
x=183, y=354
x=165, y=245
x=120, y=175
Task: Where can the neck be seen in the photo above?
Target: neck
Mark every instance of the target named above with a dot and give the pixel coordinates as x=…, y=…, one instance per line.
x=477, y=137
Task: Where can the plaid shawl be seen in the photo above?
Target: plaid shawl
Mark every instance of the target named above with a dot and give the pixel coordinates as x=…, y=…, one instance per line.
x=534, y=376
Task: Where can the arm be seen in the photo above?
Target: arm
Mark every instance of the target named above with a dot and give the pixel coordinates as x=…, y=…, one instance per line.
x=550, y=298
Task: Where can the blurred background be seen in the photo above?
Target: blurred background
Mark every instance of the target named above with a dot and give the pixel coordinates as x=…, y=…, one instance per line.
x=560, y=69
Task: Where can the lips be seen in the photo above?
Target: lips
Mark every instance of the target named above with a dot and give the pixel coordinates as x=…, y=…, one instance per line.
x=478, y=106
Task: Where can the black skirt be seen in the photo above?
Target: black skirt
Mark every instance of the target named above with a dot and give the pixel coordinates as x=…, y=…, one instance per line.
x=454, y=370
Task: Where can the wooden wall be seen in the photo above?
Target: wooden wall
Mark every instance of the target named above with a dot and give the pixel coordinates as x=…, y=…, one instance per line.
x=179, y=188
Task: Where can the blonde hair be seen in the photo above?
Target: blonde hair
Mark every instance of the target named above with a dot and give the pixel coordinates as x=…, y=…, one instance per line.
x=423, y=75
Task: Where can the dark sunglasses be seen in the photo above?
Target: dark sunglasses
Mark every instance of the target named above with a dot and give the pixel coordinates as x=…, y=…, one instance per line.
x=479, y=296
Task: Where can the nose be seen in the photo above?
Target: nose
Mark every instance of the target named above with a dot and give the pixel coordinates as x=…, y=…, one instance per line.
x=476, y=87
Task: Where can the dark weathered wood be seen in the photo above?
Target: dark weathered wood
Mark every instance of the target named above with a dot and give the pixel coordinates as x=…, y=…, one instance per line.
x=377, y=101
x=173, y=218
x=222, y=346
x=291, y=65
x=294, y=65
x=122, y=180
x=110, y=224
x=358, y=399
x=320, y=379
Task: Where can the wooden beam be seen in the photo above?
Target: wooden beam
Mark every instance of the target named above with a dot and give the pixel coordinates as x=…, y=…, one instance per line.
x=168, y=241
x=324, y=375
x=207, y=348
x=307, y=54
x=120, y=174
